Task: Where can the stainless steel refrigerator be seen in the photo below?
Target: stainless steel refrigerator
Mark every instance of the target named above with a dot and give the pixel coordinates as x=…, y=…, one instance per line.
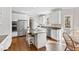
x=21, y=27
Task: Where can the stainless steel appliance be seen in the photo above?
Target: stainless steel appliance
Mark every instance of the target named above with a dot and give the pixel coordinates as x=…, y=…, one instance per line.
x=14, y=26
x=21, y=27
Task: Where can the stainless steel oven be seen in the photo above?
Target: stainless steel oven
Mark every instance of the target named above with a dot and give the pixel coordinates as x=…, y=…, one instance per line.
x=14, y=26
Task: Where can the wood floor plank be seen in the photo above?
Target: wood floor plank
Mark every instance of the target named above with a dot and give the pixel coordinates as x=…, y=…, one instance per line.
x=20, y=44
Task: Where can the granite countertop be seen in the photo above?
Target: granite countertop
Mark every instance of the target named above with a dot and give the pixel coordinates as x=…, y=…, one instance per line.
x=35, y=33
x=52, y=27
x=2, y=37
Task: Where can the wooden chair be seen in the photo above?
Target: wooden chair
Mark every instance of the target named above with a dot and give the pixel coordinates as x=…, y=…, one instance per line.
x=70, y=44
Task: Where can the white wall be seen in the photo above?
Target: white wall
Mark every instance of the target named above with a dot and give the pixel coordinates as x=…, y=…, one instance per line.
x=5, y=20
x=74, y=12
x=76, y=19
x=16, y=17
x=66, y=12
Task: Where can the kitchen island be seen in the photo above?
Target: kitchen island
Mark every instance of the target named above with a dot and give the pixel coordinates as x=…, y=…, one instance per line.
x=38, y=38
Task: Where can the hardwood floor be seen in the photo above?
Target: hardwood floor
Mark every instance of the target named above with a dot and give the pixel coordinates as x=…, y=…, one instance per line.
x=20, y=44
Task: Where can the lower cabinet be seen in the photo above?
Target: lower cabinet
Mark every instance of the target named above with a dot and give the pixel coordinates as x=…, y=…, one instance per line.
x=40, y=40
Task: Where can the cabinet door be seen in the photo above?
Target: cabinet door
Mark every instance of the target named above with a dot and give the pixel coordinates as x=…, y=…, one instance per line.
x=54, y=34
x=41, y=40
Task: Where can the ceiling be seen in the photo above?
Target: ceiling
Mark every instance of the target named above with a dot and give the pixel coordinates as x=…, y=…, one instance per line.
x=32, y=10
x=35, y=10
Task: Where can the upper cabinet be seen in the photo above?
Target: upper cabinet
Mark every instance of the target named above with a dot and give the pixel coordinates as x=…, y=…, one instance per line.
x=43, y=19
x=55, y=16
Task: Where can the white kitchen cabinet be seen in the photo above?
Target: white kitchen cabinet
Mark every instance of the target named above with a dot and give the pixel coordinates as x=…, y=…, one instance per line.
x=14, y=34
x=54, y=34
x=40, y=40
x=55, y=18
